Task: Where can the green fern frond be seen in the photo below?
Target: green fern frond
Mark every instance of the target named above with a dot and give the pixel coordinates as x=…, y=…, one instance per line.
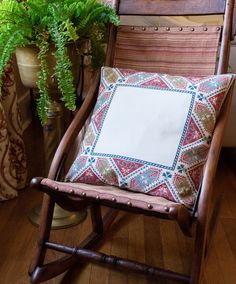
x=44, y=100
x=44, y=22
x=70, y=31
x=63, y=66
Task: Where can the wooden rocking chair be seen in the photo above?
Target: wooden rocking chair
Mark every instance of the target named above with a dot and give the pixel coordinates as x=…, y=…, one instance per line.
x=75, y=196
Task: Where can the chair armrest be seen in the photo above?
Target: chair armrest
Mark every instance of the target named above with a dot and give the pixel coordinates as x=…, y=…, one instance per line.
x=75, y=126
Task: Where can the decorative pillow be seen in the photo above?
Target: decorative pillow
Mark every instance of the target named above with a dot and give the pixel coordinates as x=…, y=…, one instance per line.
x=151, y=133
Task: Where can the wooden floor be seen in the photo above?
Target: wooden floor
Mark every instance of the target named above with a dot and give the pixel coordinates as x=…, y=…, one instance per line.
x=135, y=236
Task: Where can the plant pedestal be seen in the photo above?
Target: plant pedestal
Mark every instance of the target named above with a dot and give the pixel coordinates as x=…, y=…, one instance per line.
x=61, y=218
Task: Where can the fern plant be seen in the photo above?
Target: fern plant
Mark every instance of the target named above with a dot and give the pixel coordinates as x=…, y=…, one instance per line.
x=46, y=22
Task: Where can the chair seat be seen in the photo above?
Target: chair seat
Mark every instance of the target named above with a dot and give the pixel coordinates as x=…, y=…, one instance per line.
x=114, y=194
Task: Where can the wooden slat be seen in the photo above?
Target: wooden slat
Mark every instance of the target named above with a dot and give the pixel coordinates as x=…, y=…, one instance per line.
x=119, y=263
x=171, y=7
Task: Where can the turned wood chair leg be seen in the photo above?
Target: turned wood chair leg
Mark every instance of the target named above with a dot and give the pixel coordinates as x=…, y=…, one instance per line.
x=213, y=223
x=202, y=228
x=44, y=232
x=97, y=221
x=205, y=231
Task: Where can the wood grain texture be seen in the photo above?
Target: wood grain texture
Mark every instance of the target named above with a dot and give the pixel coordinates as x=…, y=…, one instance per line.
x=171, y=7
x=184, y=51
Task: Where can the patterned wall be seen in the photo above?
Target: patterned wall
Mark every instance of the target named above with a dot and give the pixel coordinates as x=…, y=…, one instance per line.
x=13, y=171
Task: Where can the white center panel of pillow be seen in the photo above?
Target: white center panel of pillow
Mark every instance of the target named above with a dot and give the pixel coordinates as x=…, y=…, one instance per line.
x=144, y=124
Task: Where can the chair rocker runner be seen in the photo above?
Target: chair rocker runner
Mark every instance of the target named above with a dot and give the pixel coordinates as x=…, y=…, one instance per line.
x=141, y=48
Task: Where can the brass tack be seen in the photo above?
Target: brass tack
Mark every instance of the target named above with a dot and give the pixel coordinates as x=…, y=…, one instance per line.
x=83, y=194
x=97, y=197
x=167, y=29
x=156, y=28
x=150, y=206
x=129, y=203
x=166, y=209
x=180, y=29
x=56, y=188
x=192, y=29
x=144, y=29
x=72, y=191
x=205, y=29
x=132, y=28
x=218, y=28
x=113, y=199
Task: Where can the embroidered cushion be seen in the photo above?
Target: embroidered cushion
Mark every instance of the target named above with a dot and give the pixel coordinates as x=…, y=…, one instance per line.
x=151, y=133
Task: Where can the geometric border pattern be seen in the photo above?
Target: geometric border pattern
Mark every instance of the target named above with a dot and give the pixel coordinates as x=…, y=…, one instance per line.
x=180, y=182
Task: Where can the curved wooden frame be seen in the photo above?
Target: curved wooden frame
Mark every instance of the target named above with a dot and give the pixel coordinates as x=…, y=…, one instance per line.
x=38, y=270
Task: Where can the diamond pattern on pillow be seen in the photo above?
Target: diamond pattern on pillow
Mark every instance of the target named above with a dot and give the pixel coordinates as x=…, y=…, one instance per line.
x=151, y=133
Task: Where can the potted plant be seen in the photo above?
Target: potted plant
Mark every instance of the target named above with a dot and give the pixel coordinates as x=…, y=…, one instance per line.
x=52, y=25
